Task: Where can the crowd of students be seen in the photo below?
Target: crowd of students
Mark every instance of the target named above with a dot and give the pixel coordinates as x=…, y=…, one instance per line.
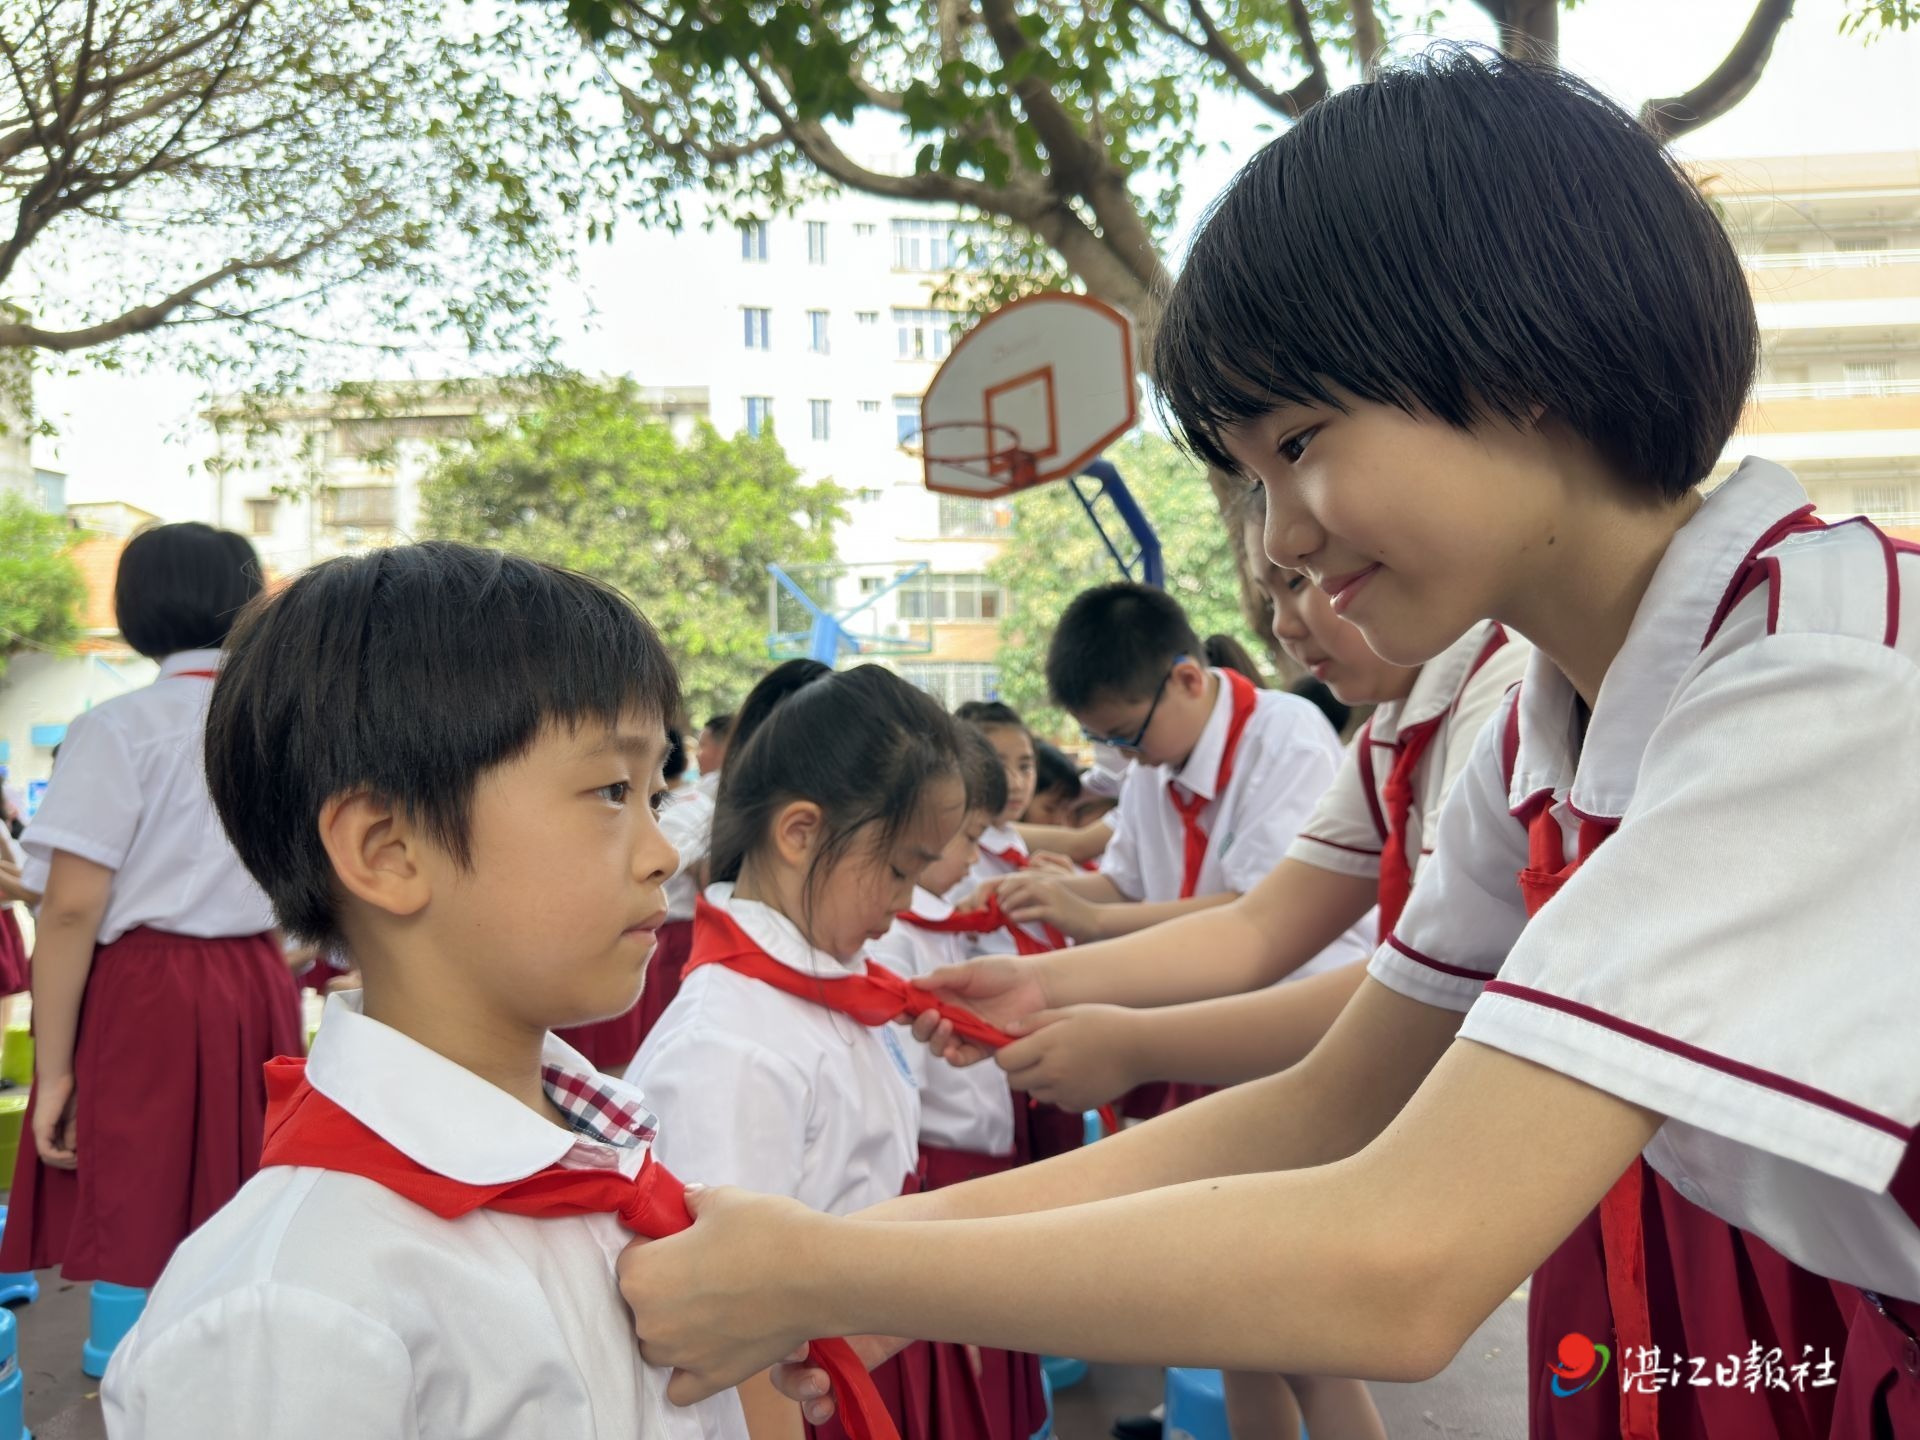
x=1586, y=957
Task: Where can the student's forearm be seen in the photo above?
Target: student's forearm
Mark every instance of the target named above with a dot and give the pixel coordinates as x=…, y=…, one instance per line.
x=1249, y=943
x=1241, y=1037
x=1131, y=916
x=1080, y=845
x=64, y=934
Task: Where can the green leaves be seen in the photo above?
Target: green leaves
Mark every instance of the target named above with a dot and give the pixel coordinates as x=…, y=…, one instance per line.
x=40, y=587
x=593, y=480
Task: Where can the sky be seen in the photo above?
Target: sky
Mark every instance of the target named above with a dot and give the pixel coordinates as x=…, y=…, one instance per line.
x=128, y=435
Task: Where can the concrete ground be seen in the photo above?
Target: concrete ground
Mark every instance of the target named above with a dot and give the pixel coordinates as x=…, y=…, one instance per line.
x=1481, y=1396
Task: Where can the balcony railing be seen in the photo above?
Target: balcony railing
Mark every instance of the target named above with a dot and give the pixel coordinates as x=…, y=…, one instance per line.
x=1831, y=259
x=1835, y=389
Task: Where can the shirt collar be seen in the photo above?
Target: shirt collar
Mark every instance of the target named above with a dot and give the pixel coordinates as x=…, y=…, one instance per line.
x=182, y=661
x=1202, y=768
x=929, y=906
x=446, y=1118
x=779, y=937
x=1435, y=688
x=998, y=839
x=1666, y=637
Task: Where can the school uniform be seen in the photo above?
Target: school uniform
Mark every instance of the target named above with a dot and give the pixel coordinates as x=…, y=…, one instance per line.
x=319, y=1303
x=1721, y=880
x=188, y=995
x=1398, y=769
x=777, y=1093
x=15, y=975
x=687, y=821
x=1003, y=851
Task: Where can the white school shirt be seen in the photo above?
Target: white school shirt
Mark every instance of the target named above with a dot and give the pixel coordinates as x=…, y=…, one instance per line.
x=316, y=1304
x=1739, y=956
x=995, y=841
x=777, y=1094
x=961, y=1107
x=1459, y=690
x=1288, y=756
x=129, y=792
x=687, y=822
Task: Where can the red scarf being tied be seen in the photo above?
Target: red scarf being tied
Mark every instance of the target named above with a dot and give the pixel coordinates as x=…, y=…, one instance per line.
x=304, y=1127
x=876, y=998
x=983, y=922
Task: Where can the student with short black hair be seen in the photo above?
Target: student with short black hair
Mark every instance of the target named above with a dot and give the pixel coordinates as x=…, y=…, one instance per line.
x=1481, y=340
x=710, y=750
x=404, y=746
x=159, y=988
x=1056, y=787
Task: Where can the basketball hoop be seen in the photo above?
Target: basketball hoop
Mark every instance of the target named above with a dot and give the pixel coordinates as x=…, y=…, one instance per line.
x=980, y=448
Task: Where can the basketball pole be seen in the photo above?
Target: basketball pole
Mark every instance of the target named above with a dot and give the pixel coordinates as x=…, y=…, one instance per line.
x=1146, y=567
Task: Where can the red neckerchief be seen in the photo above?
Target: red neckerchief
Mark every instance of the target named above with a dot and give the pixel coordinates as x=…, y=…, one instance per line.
x=983, y=921
x=1245, y=698
x=875, y=998
x=304, y=1127
x=193, y=675
x=1014, y=858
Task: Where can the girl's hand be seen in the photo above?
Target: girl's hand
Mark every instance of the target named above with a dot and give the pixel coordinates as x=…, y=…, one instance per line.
x=53, y=1127
x=1043, y=900
x=720, y=1302
x=976, y=898
x=798, y=1380
x=10, y=886
x=1052, y=862
x=1003, y=990
x=1077, y=1058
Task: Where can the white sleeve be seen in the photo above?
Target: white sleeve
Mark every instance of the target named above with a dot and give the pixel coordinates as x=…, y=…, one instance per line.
x=92, y=807
x=688, y=826
x=1341, y=835
x=265, y=1360
x=1466, y=912
x=1283, y=786
x=1120, y=861
x=731, y=1111
x=1739, y=954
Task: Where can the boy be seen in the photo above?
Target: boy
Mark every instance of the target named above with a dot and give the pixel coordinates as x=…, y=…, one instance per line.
x=1227, y=774
x=406, y=749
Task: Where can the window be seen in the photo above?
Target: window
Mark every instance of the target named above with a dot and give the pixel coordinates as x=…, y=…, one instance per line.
x=260, y=515
x=870, y=496
x=867, y=317
x=363, y=506
x=954, y=597
x=924, y=334
x=759, y=412
x=753, y=239
x=817, y=331
x=816, y=242
x=863, y=228
x=1895, y=502
x=1869, y=377
x=930, y=245
x=820, y=413
x=759, y=328
x=906, y=419
x=964, y=518
x=869, y=407
x=954, y=684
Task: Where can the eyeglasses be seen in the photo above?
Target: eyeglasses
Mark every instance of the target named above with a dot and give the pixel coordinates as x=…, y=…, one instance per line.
x=1141, y=734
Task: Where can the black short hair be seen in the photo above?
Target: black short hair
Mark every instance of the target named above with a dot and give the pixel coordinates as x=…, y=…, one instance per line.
x=718, y=725
x=1471, y=237
x=1054, y=771
x=181, y=587
x=676, y=762
x=862, y=744
x=1226, y=653
x=407, y=672
x=1116, y=642
x=989, y=714
x=981, y=772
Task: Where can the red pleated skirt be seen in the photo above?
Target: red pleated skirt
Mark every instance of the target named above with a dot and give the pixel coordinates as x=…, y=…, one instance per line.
x=14, y=974
x=1144, y=1102
x=1879, y=1393
x=611, y=1044
x=1713, y=1291
x=170, y=1100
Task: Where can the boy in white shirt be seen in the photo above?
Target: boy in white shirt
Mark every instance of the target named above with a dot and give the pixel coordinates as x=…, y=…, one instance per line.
x=404, y=747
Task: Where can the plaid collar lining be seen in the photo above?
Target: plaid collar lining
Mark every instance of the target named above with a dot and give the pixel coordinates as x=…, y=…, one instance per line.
x=597, y=1110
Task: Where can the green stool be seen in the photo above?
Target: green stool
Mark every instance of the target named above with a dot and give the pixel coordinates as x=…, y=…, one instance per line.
x=13, y=1123
x=16, y=1056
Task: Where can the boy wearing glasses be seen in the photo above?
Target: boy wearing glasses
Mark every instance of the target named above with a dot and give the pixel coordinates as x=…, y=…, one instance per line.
x=1226, y=774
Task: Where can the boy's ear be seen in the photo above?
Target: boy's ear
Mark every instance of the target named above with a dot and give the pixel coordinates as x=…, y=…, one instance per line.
x=1190, y=676
x=797, y=828
x=375, y=849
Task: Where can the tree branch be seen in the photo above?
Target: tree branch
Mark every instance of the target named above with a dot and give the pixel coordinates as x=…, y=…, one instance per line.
x=1367, y=37
x=1730, y=81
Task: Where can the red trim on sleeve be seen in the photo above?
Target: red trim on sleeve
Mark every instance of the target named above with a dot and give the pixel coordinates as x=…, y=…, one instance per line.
x=1738, y=1069
x=1432, y=964
x=1336, y=845
x=1747, y=575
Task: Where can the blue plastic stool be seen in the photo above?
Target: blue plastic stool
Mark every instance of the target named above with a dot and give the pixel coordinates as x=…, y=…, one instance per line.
x=1196, y=1405
x=1062, y=1372
x=112, y=1310
x=17, y=1287
x=1090, y=1127
x=1045, y=1432
x=13, y=1387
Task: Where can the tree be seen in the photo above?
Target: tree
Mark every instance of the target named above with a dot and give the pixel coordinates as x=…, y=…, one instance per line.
x=1054, y=554
x=594, y=482
x=284, y=174
x=40, y=586
x=1064, y=126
